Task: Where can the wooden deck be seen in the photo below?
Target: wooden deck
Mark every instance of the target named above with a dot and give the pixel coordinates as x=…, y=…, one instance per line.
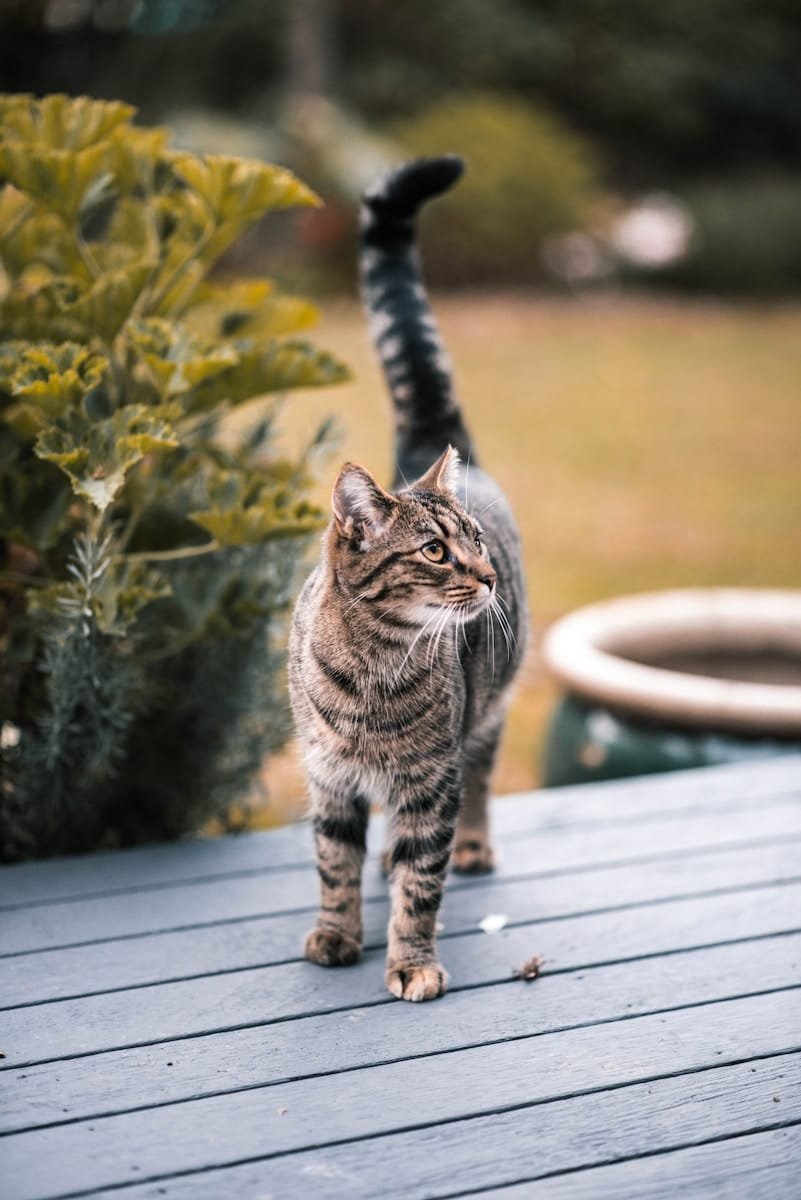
x=161, y=1037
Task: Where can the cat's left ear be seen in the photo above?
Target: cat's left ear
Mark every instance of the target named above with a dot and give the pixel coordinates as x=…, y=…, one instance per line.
x=443, y=476
x=361, y=508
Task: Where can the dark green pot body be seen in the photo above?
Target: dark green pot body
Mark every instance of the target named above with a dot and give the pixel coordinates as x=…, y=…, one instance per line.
x=586, y=742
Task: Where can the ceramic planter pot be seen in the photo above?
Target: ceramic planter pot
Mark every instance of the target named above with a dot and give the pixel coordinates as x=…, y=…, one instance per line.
x=674, y=679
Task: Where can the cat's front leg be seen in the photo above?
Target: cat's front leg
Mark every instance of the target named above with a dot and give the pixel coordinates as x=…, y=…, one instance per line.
x=340, y=836
x=422, y=833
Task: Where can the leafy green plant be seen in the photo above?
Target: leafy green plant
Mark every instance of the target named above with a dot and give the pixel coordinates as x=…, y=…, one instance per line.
x=528, y=176
x=147, y=559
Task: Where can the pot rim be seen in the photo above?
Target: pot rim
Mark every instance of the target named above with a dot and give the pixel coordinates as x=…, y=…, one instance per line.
x=585, y=649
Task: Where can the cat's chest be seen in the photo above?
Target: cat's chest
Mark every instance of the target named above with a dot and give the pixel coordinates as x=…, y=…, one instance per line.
x=380, y=728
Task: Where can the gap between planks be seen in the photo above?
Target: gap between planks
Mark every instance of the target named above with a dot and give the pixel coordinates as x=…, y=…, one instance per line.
x=163, y=1011
x=779, y=955
x=144, y=914
x=121, y=964
x=384, y=1110
x=265, y=1085
x=406, y=1166
x=663, y=1178
x=721, y=788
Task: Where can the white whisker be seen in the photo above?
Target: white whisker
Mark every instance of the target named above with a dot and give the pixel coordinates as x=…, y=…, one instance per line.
x=504, y=627
x=456, y=642
x=507, y=623
x=436, y=638
x=488, y=506
x=505, y=610
x=490, y=640
x=459, y=629
x=433, y=646
x=463, y=627
x=363, y=596
x=415, y=640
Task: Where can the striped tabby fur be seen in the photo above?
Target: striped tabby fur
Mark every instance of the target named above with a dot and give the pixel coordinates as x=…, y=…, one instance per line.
x=407, y=635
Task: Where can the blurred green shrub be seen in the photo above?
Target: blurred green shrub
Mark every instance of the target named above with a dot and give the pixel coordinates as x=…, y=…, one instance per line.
x=746, y=239
x=146, y=563
x=528, y=176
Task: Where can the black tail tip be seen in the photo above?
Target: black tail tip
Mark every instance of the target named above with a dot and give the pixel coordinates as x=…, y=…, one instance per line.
x=401, y=190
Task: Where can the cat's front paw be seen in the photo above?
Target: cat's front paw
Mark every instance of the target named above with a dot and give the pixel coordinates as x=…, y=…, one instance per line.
x=331, y=947
x=473, y=856
x=410, y=982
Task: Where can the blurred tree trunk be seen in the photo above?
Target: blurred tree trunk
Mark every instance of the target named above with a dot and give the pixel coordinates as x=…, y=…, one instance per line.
x=311, y=55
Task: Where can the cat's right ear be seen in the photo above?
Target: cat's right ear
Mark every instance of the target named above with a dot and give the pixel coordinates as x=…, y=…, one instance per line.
x=361, y=508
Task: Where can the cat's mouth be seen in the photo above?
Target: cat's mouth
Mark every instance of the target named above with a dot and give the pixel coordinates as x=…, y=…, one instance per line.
x=458, y=609
x=477, y=603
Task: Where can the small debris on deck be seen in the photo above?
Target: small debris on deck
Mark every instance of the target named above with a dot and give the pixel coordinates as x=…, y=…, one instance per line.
x=530, y=968
x=493, y=922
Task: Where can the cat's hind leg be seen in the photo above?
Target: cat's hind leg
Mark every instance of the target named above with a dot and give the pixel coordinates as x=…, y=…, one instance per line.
x=472, y=850
x=340, y=837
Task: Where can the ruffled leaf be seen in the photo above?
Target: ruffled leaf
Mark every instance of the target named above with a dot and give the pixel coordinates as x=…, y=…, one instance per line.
x=105, y=308
x=252, y=309
x=131, y=232
x=247, y=509
x=57, y=376
x=59, y=121
x=41, y=239
x=34, y=306
x=240, y=190
x=57, y=179
x=176, y=359
x=279, y=367
x=125, y=589
x=233, y=193
x=49, y=379
x=137, y=157
x=96, y=455
x=67, y=308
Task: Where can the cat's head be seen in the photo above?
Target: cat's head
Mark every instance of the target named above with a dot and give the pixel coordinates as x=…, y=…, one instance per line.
x=413, y=554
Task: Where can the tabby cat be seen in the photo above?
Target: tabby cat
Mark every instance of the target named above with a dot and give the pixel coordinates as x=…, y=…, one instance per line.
x=407, y=635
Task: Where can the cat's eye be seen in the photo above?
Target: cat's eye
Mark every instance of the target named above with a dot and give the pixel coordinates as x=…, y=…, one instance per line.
x=477, y=541
x=434, y=552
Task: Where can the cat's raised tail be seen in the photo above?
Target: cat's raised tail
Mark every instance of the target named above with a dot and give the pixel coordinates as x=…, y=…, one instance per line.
x=403, y=329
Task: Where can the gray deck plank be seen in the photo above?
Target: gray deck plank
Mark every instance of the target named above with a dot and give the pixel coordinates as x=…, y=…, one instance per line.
x=161, y=957
x=268, y=1054
x=164, y=1038
x=69, y=1027
x=759, y=1166
x=324, y=1110
x=717, y=788
x=530, y=1143
x=157, y=865
x=722, y=789
x=549, y=851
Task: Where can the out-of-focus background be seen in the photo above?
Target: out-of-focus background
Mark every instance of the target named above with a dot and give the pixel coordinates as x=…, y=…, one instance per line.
x=618, y=279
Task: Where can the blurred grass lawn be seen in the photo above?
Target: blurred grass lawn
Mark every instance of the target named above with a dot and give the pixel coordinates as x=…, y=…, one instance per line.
x=643, y=444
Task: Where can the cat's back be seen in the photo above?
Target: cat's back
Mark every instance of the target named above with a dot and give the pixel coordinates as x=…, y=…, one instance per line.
x=498, y=643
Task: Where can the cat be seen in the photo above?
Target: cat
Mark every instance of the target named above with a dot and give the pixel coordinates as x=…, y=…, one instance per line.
x=407, y=635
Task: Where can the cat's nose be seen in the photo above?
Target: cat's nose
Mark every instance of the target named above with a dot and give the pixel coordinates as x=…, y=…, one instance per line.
x=488, y=579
